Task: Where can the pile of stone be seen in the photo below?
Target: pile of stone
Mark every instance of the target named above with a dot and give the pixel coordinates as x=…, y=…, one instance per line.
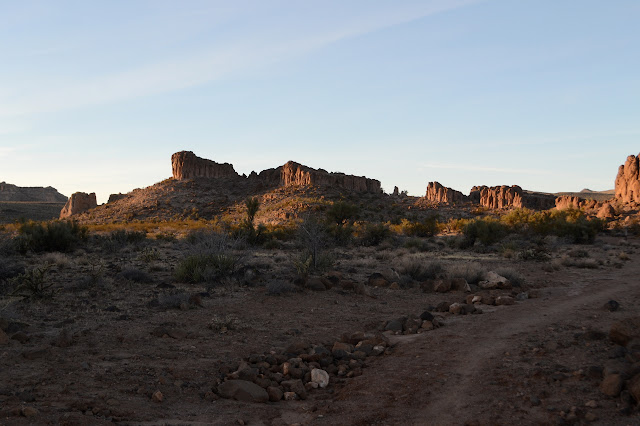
x=300, y=368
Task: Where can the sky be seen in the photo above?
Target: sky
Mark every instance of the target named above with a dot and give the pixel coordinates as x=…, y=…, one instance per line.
x=95, y=96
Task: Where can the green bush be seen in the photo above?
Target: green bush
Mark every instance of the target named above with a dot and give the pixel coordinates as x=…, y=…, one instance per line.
x=426, y=228
x=374, y=234
x=51, y=236
x=342, y=212
x=487, y=230
x=198, y=268
x=420, y=270
x=124, y=237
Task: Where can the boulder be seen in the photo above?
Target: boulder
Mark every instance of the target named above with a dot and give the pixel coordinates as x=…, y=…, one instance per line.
x=242, y=390
x=612, y=385
x=295, y=386
x=79, y=202
x=622, y=332
x=606, y=211
x=320, y=377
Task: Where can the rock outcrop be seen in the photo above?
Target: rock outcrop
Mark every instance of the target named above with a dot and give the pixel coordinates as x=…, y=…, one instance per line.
x=293, y=173
x=9, y=192
x=627, y=187
x=572, y=202
x=497, y=197
x=187, y=165
x=115, y=197
x=436, y=193
x=503, y=197
x=79, y=202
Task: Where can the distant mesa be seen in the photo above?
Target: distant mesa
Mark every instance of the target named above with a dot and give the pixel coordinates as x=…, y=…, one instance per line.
x=39, y=194
x=79, y=202
x=187, y=165
x=627, y=189
x=495, y=197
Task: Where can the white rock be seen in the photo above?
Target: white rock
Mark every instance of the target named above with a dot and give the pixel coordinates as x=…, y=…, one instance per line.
x=320, y=377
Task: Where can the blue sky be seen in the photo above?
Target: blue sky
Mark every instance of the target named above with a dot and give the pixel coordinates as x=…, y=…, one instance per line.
x=96, y=96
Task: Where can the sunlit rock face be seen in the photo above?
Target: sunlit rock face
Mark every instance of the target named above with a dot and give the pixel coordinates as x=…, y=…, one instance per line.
x=436, y=193
x=79, y=202
x=293, y=173
x=628, y=181
x=187, y=165
x=503, y=197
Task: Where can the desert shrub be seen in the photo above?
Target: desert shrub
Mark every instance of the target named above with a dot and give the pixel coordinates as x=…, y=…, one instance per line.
x=32, y=283
x=136, y=275
x=341, y=235
x=149, y=254
x=341, y=213
x=123, y=237
x=472, y=272
x=313, y=241
x=59, y=236
x=60, y=260
x=516, y=279
x=166, y=236
x=419, y=270
x=486, y=230
x=585, y=263
x=374, y=234
x=277, y=288
x=198, y=268
x=578, y=253
x=428, y=227
x=225, y=323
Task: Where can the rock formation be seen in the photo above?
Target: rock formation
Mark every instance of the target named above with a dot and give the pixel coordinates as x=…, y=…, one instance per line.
x=628, y=181
x=502, y=197
x=296, y=174
x=497, y=197
x=9, y=192
x=79, y=202
x=115, y=197
x=187, y=165
x=437, y=193
x=573, y=202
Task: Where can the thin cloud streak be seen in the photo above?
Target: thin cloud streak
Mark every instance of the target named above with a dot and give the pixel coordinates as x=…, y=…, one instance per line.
x=207, y=66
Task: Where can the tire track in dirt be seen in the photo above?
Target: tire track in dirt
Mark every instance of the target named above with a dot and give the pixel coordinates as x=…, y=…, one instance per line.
x=437, y=377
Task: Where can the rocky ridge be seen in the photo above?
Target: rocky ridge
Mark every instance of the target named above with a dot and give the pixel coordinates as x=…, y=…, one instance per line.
x=9, y=192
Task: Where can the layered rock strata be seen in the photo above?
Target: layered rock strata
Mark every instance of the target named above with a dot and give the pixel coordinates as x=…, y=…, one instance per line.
x=79, y=202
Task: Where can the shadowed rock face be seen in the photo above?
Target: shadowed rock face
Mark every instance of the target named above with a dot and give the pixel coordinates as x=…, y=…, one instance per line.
x=79, y=202
x=573, y=202
x=115, y=197
x=628, y=181
x=437, y=193
x=9, y=192
x=187, y=165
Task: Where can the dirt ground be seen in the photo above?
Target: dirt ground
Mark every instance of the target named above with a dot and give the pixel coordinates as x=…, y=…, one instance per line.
x=101, y=348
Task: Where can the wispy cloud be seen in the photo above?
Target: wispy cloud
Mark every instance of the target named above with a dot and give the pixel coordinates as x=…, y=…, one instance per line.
x=214, y=63
x=470, y=168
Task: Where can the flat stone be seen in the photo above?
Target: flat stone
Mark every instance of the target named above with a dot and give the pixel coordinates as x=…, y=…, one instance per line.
x=242, y=390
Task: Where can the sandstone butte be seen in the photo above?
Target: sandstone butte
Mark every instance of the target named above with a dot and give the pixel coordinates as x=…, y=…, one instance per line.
x=9, y=192
x=79, y=202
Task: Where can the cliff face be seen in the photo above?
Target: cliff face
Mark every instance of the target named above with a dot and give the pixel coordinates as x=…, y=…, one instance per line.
x=628, y=181
x=187, y=165
x=436, y=193
x=10, y=192
x=296, y=174
x=502, y=197
x=79, y=202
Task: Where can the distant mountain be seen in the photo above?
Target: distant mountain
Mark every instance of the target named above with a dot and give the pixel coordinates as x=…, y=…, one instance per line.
x=38, y=194
x=588, y=194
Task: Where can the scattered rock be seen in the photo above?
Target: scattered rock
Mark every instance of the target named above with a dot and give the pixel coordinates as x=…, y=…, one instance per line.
x=295, y=386
x=29, y=412
x=377, y=280
x=157, y=396
x=625, y=330
x=320, y=377
x=275, y=393
x=634, y=387
x=242, y=390
x=612, y=385
x=4, y=339
x=505, y=300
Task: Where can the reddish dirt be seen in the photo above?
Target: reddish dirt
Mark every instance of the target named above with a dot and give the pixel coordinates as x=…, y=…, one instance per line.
x=527, y=363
